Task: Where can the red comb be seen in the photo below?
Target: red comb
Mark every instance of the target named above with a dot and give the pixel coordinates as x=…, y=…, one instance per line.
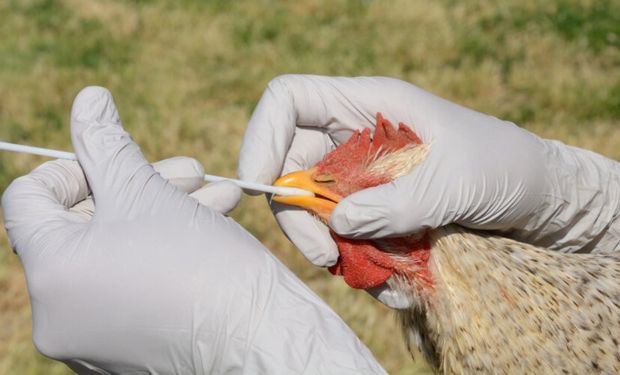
x=349, y=159
x=389, y=139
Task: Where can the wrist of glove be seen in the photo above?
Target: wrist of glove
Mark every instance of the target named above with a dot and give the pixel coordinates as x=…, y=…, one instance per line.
x=581, y=205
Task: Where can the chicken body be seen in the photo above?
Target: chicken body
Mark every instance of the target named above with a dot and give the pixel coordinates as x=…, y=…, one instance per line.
x=501, y=306
x=479, y=302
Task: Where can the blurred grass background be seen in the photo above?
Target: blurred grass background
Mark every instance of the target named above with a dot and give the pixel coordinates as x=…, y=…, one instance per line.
x=187, y=74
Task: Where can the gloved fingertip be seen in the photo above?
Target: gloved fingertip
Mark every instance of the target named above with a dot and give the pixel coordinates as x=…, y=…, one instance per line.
x=382, y=211
x=221, y=196
x=311, y=236
x=95, y=103
x=321, y=257
x=357, y=218
x=320, y=250
x=183, y=172
x=339, y=220
x=198, y=168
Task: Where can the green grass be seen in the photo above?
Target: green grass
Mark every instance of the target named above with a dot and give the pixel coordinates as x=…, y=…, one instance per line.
x=186, y=76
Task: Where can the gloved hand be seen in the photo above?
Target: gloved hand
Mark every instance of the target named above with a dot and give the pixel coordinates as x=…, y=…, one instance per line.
x=154, y=281
x=482, y=173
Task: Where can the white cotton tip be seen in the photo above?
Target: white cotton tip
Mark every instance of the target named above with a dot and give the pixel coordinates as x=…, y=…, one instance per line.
x=278, y=190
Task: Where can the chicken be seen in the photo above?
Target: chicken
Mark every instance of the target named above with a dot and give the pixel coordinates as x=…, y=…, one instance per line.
x=479, y=302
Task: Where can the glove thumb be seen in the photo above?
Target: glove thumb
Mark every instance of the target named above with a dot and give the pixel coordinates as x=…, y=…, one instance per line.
x=122, y=181
x=404, y=206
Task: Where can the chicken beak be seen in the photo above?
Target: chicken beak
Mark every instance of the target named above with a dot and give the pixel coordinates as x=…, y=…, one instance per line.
x=323, y=201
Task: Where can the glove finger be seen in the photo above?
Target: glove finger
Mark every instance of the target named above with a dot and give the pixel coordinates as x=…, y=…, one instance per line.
x=37, y=204
x=307, y=233
x=221, y=196
x=187, y=174
x=337, y=105
x=124, y=184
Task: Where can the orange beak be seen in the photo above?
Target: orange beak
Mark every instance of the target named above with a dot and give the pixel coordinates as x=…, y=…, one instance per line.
x=321, y=204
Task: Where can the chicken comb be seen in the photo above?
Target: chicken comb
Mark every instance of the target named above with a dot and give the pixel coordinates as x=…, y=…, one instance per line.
x=387, y=139
x=360, y=148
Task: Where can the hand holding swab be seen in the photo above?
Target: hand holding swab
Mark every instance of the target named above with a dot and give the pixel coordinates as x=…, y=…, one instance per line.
x=283, y=191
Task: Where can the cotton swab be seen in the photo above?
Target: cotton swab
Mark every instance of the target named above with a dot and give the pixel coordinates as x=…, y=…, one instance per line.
x=277, y=190
x=283, y=191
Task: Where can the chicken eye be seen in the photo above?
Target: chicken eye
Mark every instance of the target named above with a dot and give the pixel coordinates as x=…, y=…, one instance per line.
x=323, y=178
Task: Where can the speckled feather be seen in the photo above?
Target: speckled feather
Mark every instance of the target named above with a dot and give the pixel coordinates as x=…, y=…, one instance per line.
x=501, y=306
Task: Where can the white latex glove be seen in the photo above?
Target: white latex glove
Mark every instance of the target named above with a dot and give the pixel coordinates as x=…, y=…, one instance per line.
x=155, y=282
x=482, y=172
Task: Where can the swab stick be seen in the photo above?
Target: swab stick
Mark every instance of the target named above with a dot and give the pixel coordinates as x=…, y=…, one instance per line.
x=283, y=191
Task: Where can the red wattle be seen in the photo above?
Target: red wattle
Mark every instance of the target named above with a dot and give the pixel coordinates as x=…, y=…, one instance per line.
x=363, y=265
